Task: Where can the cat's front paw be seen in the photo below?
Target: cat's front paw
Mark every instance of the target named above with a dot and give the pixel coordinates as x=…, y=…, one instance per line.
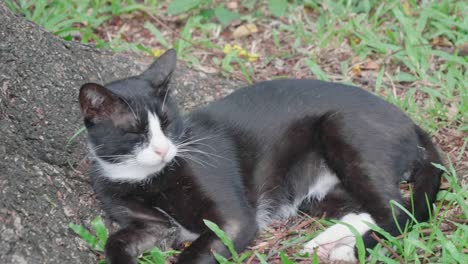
x=120, y=259
x=116, y=253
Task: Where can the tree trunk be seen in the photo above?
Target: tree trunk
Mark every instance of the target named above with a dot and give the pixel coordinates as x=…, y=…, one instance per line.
x=43, y=181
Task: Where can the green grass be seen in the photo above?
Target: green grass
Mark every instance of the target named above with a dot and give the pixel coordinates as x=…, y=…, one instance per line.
x=79, y=20
x=426, y=242
x=407, y=51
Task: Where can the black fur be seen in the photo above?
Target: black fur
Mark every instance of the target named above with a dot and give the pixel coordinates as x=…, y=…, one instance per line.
x=264, y=141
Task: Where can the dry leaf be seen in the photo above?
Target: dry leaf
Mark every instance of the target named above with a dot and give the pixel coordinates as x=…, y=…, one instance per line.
x=463, y=49
x=206, y=69
x=245, y=30
x=441, y=42
x=232, y=5
x=407, y=8
x=370, y=65
x=444, y=185
x=355, y=60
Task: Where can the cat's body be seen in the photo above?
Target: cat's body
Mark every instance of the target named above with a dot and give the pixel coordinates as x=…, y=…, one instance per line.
x=257, y=155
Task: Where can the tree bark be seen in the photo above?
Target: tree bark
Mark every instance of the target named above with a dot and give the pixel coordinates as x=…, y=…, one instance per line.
x=43, y=181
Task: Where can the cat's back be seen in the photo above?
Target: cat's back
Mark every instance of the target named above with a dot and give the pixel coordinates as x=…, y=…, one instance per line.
x=278, y=101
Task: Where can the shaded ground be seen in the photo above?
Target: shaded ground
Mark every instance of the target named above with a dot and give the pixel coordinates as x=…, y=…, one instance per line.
x=40, y=191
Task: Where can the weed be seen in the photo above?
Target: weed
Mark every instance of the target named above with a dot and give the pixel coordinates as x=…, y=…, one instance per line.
x=412, y=53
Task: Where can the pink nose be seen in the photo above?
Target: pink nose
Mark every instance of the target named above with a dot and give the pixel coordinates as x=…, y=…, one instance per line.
x=161, y=150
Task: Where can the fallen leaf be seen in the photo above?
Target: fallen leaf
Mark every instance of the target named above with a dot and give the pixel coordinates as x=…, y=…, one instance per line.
x=441, y=42
x=157, y=52
x=356, y=70
x=444, y=185
x=370, y=65
x=245, y=30
x=232, y=5
x=463, y=49
x=407, y=8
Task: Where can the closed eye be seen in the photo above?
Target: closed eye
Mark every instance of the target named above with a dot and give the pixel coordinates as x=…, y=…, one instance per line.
x=138, y=130
x=164, y=120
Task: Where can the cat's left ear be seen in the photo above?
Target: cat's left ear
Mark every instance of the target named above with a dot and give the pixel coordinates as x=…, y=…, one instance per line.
x=99, y=104
x=160, y=72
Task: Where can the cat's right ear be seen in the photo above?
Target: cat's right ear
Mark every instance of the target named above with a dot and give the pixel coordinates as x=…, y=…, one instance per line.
x=159, y=73
x=98, y=103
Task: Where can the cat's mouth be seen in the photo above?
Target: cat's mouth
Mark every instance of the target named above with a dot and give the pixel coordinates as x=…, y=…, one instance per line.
x=150, y=159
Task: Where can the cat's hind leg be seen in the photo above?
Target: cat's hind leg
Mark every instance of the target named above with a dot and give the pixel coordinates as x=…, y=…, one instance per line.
x=368, y=170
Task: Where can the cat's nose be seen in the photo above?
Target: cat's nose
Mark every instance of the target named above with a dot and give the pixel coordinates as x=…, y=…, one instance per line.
x=161, y=150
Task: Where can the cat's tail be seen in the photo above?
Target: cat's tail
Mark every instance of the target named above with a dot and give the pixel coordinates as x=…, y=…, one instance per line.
x=424, y=192
x=426, y=179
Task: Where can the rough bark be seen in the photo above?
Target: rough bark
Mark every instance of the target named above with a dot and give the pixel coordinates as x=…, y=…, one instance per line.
x=42, y=184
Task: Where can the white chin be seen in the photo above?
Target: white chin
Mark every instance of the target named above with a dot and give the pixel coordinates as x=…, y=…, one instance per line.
x=129, y=172
x=150, y=161
x=151, y=164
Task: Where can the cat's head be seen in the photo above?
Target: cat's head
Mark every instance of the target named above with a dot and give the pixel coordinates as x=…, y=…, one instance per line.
x=133, y=125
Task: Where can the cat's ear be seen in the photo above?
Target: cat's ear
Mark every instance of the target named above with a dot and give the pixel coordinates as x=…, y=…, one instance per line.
x=98, y=103
x=159, y=73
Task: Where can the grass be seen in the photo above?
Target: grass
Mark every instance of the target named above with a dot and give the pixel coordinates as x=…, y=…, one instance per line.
x=412, y=53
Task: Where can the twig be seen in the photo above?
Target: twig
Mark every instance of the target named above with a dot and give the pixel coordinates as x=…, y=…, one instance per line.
x=402, y=49
x=392, y=83
x=394, y=254
x=281, y=235
x=461, y=221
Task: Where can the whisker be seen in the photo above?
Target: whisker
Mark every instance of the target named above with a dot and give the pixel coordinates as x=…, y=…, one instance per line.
x=192, y=141
x=199, y=143
x=115, y=156
x=196, y=160
x=202, y=152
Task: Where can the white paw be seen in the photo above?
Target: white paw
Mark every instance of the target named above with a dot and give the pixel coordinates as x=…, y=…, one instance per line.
x=343, y=253
x=323, y=250
x=337, y=242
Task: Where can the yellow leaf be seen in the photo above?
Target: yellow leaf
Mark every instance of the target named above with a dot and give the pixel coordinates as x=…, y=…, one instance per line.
x=245, y=30
x=227, y=49
x=157, y=52
x=237, y=48
x=253, y=57
x=356, y=70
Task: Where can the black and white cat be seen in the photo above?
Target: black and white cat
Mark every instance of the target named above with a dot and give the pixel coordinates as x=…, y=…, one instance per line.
x=262, y=153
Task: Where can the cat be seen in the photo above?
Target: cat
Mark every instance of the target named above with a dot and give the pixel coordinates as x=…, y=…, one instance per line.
x=260, y=154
